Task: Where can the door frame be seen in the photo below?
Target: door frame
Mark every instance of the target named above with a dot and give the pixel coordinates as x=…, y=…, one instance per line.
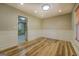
x=26, y=32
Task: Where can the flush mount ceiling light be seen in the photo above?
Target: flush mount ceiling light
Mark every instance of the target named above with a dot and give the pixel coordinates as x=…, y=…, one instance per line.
x=21, y=3
x=60, y=11
x=45, y=7
x=35, y=11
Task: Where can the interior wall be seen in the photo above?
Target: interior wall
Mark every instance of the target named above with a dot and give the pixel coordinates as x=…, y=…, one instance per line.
x=59, y=27
x=34, y=28
x=9, y=26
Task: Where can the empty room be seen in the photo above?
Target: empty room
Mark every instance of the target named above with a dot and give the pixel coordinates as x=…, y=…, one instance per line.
x=39, y=29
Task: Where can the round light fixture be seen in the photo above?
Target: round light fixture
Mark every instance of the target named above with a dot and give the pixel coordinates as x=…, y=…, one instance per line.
x=35, y=11
x=45, y=7
x=21, y=3
x=60, y=11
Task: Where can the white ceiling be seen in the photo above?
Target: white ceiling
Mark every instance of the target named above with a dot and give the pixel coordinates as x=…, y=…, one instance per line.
x=31, y=8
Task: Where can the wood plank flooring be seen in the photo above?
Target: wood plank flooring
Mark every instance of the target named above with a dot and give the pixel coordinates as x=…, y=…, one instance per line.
x=43, y=47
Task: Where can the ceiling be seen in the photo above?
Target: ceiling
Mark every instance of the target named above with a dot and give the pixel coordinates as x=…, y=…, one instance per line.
x=35, y=9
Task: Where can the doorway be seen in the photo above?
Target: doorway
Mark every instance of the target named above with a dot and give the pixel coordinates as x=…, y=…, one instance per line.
x=77, y=23
x=22, y=37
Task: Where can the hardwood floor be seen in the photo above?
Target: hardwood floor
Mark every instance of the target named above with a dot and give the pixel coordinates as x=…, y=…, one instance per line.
x=43, y=47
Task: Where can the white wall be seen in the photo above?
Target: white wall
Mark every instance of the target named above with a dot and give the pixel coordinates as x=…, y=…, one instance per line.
x=8, y=39
x=9, y=26
x=34, y=28
x=58, y=27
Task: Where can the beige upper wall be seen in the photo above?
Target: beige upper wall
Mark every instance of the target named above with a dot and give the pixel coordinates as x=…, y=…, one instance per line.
x=8, y=17
x=62, y=22
x=59, y=27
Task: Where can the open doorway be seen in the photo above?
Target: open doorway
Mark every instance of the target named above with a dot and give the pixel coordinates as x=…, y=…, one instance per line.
x=22, y=37
x=77, y=23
